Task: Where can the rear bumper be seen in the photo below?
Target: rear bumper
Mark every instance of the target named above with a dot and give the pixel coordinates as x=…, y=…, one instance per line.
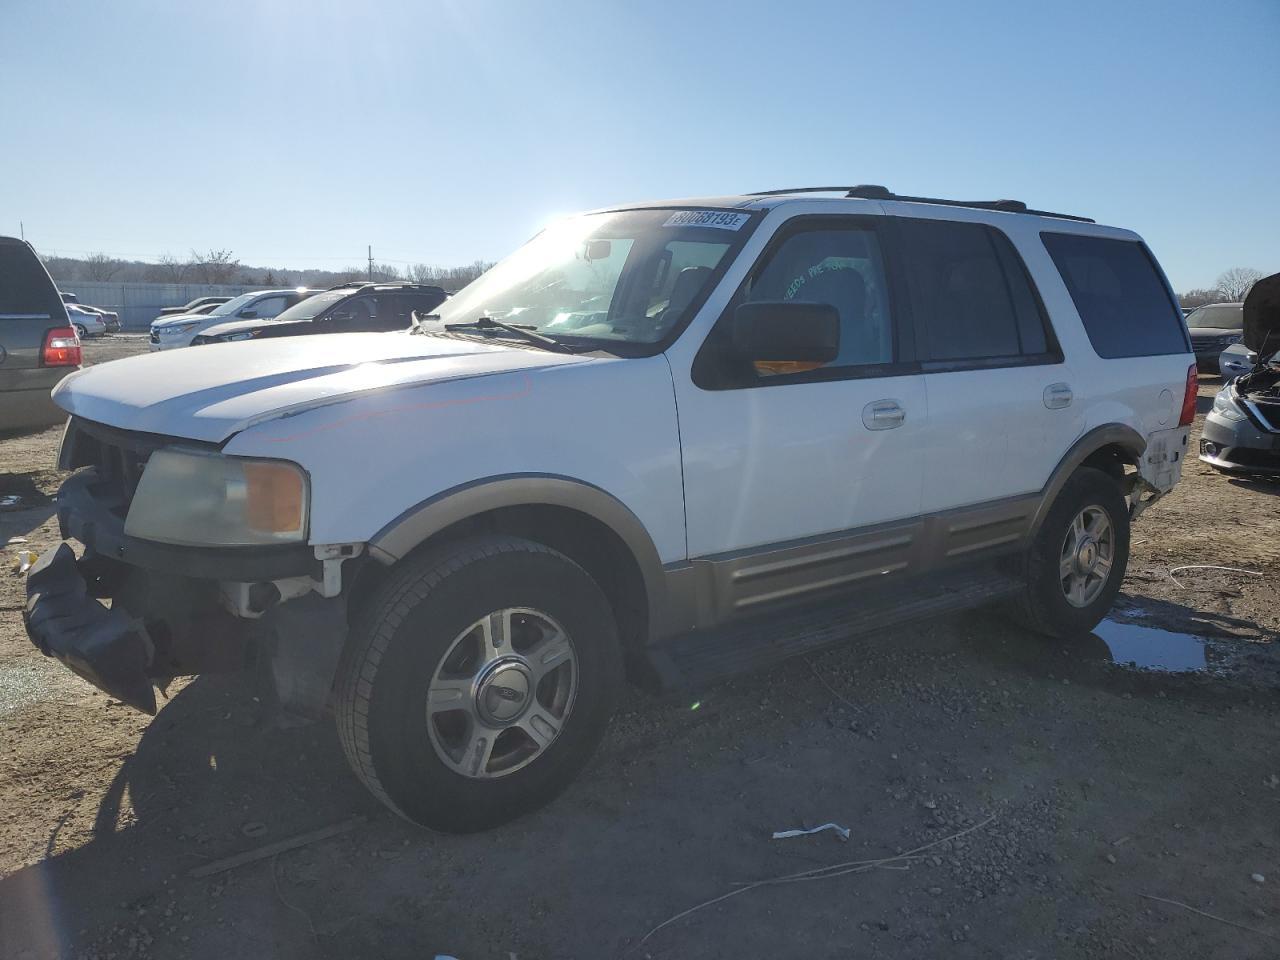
x=106, y=647
x=31, y=409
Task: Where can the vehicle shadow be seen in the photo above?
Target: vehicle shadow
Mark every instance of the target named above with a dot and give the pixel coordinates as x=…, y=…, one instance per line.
x=208, y=780
x=31, y=508
x=1204, y=404
x=1266, y=485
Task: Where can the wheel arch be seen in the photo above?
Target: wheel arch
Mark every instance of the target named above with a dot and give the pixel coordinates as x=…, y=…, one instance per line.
x=1109, y=448
x=586, y=523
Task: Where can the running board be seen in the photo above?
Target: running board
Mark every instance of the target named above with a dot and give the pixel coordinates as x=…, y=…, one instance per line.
x=747, y=645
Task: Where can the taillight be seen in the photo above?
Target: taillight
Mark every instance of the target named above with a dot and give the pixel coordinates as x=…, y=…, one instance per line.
x=61, y=348
x=1189, y=398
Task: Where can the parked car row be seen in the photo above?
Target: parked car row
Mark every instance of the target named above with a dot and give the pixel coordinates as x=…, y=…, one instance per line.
x=356, y=307
x=178, y=330
x=90, y=321
x=349, y=308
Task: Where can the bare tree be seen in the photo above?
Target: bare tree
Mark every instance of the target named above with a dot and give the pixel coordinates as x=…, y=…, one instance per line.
x=1236, y=283
x=216, y=266
x=99, y=266
x=1199, y=297
x=451, y=278
x=172, y=269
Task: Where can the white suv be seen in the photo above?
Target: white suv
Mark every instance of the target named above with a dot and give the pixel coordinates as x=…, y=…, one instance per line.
x=674, y=440
x=168, y=333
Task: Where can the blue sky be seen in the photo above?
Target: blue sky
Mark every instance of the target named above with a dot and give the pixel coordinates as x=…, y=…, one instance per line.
x=296, y=132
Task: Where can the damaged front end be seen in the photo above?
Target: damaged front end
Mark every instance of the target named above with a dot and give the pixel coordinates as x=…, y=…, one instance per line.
x=1242, y=432
x=179, y=610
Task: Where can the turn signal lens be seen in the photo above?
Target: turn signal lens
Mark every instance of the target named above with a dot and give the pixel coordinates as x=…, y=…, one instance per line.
x=273, y=497
x=1189, y=398
x=61, y=348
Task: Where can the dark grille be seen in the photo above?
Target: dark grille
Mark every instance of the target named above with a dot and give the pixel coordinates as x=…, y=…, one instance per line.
x=118, y=457
x=1269, y=413
x=155, y=337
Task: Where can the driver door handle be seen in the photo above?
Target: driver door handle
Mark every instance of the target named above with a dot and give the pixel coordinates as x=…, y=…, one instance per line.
x=883, y=415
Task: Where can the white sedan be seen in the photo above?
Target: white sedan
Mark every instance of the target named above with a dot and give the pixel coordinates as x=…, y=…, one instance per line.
x=170, y=332
x=88, y=323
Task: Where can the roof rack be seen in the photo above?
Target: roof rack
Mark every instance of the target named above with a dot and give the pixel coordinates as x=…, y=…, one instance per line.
x=409, y=284
x=870, y=191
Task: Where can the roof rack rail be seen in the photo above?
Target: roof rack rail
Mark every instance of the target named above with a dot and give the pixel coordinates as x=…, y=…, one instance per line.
x=870, y=191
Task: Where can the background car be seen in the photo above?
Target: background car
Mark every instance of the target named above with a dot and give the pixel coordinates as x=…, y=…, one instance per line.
x=1213, y=328
x=1236, y=361
x=87, y=323
x=192, y=306
x=38, y=347
x=168, y=333
x=109, y=317
x=347, y=308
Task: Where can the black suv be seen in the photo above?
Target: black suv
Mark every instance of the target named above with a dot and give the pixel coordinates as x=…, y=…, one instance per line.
x=348, y=308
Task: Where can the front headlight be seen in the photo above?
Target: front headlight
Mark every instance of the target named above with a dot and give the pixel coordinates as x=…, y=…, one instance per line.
x=177, y=327
x=1224, y=406
x=199, y=498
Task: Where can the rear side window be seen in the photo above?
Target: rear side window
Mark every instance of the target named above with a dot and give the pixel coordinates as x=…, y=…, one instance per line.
x=1125, y=305
x=25, y=287
x=971, y=295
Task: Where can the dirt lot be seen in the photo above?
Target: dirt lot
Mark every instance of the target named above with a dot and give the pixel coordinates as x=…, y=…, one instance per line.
x=1099, y=792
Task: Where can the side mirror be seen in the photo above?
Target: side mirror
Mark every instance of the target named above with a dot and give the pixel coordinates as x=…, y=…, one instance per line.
x=249, y=314
x=788, y=331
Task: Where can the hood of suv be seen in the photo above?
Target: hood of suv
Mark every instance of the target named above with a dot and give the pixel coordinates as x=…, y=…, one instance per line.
x=175, y=319
x=217, y=390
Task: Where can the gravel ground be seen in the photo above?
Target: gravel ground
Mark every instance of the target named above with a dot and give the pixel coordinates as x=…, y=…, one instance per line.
x=1062, y=797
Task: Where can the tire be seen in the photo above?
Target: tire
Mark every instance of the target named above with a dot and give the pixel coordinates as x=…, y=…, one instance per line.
x=428, y=626
x=81, y=332
x=1045, y=606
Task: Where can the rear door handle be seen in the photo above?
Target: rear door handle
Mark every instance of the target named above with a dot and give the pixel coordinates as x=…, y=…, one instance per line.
x=883, y=415
x=1057, y=396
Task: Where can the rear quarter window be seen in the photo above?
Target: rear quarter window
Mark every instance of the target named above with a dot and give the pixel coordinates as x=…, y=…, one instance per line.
x=1121, y=296
x=25, y=287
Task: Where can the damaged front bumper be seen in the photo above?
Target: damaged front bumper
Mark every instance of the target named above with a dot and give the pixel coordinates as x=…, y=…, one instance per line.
x=179, y=611
x=108, y=648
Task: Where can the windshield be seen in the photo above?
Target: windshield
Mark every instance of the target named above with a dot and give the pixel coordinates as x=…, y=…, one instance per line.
x=312, y=307
x=231, y=306
x=1224, y=316
x=624, y=277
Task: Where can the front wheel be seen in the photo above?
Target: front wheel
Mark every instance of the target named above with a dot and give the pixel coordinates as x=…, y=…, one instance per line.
x=478, y=682
x=1078, y=558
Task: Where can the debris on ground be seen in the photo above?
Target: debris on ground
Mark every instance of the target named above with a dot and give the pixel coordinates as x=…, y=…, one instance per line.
x=842, y=832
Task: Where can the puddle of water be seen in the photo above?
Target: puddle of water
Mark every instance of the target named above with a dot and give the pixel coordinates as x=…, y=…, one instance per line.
x=1149, y=648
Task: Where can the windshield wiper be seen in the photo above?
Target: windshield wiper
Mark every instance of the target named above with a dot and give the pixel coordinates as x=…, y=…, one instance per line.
x=523, y=331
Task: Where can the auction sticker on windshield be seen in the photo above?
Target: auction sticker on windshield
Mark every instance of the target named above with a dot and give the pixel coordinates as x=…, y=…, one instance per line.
x=720, y=219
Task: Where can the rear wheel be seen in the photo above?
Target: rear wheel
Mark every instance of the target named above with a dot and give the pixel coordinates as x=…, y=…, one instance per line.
x=81, y=332
x=478, y=682
x=1077, y=561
